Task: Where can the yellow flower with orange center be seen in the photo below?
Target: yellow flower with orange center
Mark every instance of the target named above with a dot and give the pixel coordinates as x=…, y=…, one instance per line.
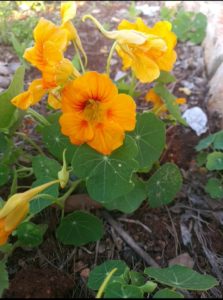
x=94, y=112
x=159, y=107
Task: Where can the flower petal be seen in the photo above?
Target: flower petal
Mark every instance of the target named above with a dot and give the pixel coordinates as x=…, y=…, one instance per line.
x=107, y=137
x=68, y=11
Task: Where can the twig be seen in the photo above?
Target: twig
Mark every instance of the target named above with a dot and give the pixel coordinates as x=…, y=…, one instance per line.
x=68, y=259
x=136, y=222
x=174, y=231
x=128, y=239
x=96, y=253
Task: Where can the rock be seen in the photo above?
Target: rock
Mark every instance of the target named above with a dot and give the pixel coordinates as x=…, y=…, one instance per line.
x=4, y=70
x=183, y=259
x=215, y=101
x=196, y=119
x=4, y=82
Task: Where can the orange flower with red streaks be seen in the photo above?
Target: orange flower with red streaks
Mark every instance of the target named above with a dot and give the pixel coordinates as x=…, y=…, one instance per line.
x=94, y=112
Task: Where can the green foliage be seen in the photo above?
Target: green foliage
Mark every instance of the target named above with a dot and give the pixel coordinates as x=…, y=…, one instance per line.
x=117, y=291
x=9, y=114
x=149, y=135
x=45, y=167
x=186, y=25
x=16, y=29
x=126, y=283
x=107, y=176
x=211, y=156
x=132, y=11
x=167, y=293
x=55, y=142
x=46, y=198
x=129, y=202
x=30, y=234
x=4, y=281
x=99, y=273
x=163, y=186
x=170, y=101
x=180, y=277
x=214, y=188
x=79, y=228
x=215, y=161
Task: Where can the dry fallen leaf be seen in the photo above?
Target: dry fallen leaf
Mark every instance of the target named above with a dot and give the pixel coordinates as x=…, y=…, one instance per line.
x=183, y=259
x=80, y=202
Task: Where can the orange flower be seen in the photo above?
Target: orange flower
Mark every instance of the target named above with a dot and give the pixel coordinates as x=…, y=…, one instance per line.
x=34, y=94
x=94, y=112
x=159, y=106
x=50, y=43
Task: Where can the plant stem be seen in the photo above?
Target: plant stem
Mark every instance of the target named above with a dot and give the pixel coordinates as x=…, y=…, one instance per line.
x=109, y=58
x=31, y=142
x=105, y=283
x=69, y=192
x=132, y=85
x=38, y=117
x=79, y=57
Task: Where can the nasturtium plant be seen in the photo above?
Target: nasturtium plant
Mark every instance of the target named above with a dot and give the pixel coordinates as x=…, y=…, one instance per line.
x=114, y=280
x=163, y=186
x=96, y=139
x=79, y=228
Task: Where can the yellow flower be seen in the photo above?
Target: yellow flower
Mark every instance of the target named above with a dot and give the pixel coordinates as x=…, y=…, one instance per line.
x=145, y=50
x=16, y=209
x=68, y=12
x=159, y=106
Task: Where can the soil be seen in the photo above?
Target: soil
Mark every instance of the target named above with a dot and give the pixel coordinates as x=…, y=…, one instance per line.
x=56, y=271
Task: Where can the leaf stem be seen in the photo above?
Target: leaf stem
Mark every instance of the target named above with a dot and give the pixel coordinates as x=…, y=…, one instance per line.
x=69, y=192
x=31, y=142
x=79, y=57
x=105, y=283
x=109, y=58
x=38, y=117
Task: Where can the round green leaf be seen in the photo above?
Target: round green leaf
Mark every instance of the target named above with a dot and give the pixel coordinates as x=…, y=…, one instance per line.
x=131, y=201
x=163, y=186
x=182, y=278
x=167, y=293
x=41, y=202
x=205, y=143
x=136, y=278
x=45, y=167
x=55, y=142
x=79, y=228
x=150, y=138
x=99, y=273
x=201, y=158
x=218, y=141
x=107, y=177
x=215, y=161
x=4, y=174
x=30, y=234
x=214, y=187
x=117, y=291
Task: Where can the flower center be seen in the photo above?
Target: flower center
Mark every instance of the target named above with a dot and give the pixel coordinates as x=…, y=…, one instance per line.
x=92, y=110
